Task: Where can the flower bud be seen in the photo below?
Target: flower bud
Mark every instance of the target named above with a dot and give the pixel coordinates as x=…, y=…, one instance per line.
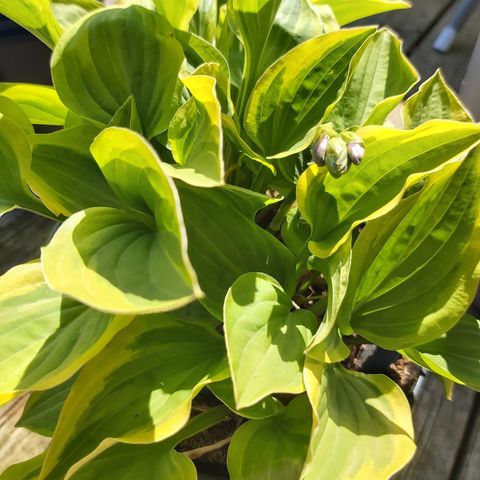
x=355, y=147
x=336, y=157
x=320, y=150
x=356, y=152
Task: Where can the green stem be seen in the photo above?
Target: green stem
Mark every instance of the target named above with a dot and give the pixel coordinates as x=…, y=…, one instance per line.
x=282, y=212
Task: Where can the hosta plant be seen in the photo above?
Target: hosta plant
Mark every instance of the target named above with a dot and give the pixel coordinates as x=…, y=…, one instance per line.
x=236, y=215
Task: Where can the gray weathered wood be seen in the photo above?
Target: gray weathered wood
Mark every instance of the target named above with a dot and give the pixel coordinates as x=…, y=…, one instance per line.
x=468, y=466
x=17, y=444
x=439, y=430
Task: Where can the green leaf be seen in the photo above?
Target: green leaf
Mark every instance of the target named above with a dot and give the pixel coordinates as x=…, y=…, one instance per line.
x=28, y=470
x=39, y=102
x=293, y=94
x=116, y=53
x=204, y=22
x=455, y=355
x=41, y=412
x=45, y=337
x=265, y=408
x=67, y=12
x=434, y=100
x=251, y=20
x=327, y=345
x=35, y=16
x=295, y=231
x=11, y=110
x=415, y=272
x=362, y=425
x=394, y=160
x=15, y=160
x=379, y=76
x=132, y=391
x=195, y=136
x=347, y=11
x=224, y=244
x=138, y=461
x=117, y=252
x=265, y=340
x=272, y=448
x=64, y=174
x=178, y=13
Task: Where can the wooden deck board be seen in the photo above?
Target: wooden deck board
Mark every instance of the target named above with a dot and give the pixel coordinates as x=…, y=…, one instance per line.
x=440, y=426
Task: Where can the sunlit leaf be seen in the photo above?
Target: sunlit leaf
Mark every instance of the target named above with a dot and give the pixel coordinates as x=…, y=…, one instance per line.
x=380, y=75
x=132, y=391
x=45, y=337
x=36, y=16
x=434, y=100
x=347, y=11
x=178, y=13
x=414, y=272
x=119, y=252
x=362, y=425
x=116, y=53
x=293, y=94
x=272, y=448
x=265, y=339
x=195, y=136
x=394, y=160
x=455, y=355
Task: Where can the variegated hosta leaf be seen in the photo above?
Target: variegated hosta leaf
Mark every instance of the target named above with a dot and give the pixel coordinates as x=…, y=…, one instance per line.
x=265, y=408
x=204, y=22
x=41, y=412
x=434, y=100
x=116, y=53
x=195, y=136
x=265, y=340
x=39, y=102
x=12, y=111
x=347, y=11
x=15, y=161
x=132, y=392
x=274, y=447
x=293, y=94
x=327, y=344
x=65, y=175
x=178, y=13
x=68, y=12
x=28, y=470
x=45, y=337
x=380, y=75
x=36, y=16
x=117, y=254
x=223, y=244
x=455, y=355
x=416, y=271
x=251, y=21
x=394, y=160
x=138, y=461
x=362, y=425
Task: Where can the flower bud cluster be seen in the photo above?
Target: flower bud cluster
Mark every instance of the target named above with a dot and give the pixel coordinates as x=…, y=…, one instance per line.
x=337, y=150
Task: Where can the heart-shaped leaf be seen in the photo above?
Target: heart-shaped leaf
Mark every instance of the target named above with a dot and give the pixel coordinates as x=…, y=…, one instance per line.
x=362, y=425
x=265, y=339
x=114, y=54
